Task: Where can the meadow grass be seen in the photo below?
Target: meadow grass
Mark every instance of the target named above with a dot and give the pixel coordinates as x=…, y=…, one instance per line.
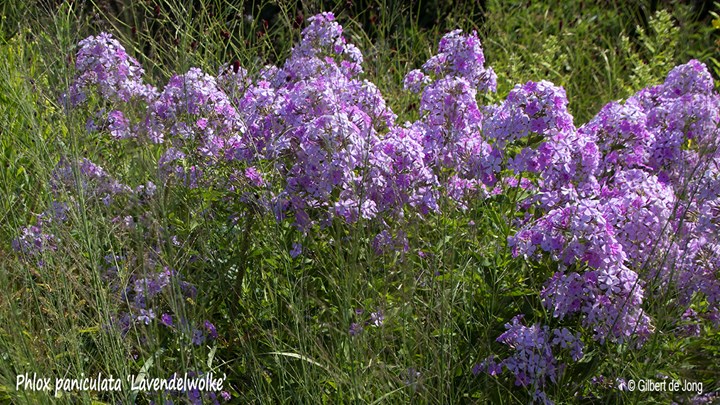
x=284, y=322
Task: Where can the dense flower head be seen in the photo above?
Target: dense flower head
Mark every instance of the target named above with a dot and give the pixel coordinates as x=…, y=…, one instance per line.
x=321, y=156
x=323, y=32
x=451, y=125
x=535, y=132
x=259, y=107
x=450, y=102
x=416, y=80
x=116, y=123
x=451, y=120
x=323, y=38
x=606, y=301
x=398, y=174
x=639, y=206
x=621, y=134
x=463, y=191
x=462, y=56
x=535, y=107
x=190, y=108
x=691, y=77
x=607, y=293
x=535, y=353
x=101, y=61
x=683, y=115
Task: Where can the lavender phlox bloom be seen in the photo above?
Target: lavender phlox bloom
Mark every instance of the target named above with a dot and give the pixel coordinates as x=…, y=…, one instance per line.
x=103, y=63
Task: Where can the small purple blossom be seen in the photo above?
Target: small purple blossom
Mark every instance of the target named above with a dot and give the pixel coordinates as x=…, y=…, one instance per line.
x=377, y=318
x=621, y=384
x=415, y=80
x=254, y=176
x=118, y=125
x=166, y=319
x=210, y=328
x=146, y=316
x=355, y=329
x=296, y=250
x=198, y=337
x=411, y=377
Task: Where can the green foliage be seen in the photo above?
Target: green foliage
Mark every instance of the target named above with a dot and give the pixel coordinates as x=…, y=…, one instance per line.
x=657, y=54
x=715, y=47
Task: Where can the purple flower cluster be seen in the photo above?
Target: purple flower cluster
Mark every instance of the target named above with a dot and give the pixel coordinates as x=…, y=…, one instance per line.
x=462, y=56
x=193, y=110
x=629, y=202
x=36, y=239
x=144, y=289
x=94, y=181
x=33, y=241
x=630, y=205
x=451, y=123
x=331, y=136
x=103, y=63
x=148, y=299
x=535, y=352
x=536, y=136
x=377, y=319
x=328, y=133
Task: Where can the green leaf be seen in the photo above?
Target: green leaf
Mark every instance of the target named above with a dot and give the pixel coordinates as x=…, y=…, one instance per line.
x=299, y=357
